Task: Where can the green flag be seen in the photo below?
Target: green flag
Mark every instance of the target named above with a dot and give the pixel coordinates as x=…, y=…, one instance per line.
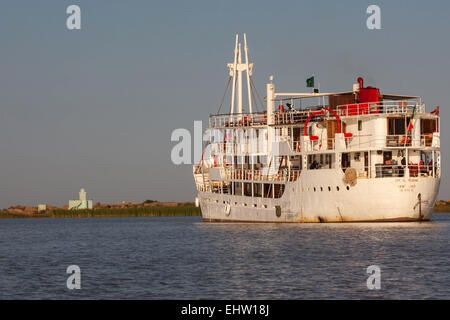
x=310, y=82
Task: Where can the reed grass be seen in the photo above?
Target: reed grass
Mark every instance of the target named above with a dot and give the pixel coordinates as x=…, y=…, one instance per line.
x=445, y=208
x=161, y=211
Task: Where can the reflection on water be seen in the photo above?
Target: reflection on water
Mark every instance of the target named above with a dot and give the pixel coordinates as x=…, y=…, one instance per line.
x=184, y=258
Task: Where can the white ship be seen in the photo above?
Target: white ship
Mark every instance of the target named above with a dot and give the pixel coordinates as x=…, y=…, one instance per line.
x=352, y=156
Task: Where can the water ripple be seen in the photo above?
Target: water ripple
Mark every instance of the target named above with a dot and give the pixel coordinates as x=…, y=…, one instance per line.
x=184, y=258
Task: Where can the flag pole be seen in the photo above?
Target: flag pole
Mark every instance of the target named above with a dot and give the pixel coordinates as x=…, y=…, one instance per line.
x=318, y=86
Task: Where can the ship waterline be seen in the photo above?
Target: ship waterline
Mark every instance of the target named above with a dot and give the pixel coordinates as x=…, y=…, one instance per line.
x=355, y=156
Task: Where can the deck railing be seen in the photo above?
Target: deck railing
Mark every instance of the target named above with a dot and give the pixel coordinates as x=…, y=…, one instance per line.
x=237, y=120
x=282, y=175
x=397, y=170
x=381, y=107
x=300, y=116
x=313, y=145
x=355, y=142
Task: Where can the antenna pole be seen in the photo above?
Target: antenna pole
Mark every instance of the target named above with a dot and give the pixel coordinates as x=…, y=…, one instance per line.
x=248, y=75
x=239, y=79
x=233, y=73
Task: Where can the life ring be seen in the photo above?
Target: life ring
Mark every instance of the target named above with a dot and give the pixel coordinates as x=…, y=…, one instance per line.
x=435, y=111
x=227, y=209
x=351, y=176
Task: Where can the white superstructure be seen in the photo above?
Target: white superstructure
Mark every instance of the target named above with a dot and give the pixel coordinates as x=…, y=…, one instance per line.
x=318, y=157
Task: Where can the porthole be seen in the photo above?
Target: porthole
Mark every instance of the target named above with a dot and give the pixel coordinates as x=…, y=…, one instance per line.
x=329, y=188
x=348, y=188
x=314, y=189
x=255, y=205
x=337, y=188
x=321, y=189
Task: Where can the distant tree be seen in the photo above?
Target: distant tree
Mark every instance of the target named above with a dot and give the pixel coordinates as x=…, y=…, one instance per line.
x=149, y=201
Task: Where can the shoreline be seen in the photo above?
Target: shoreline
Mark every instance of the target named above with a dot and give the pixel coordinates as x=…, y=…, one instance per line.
x=154, y=211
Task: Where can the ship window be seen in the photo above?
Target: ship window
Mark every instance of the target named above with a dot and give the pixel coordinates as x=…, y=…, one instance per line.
x=359, y=125
x=321, y=189
x=337, y=188
x=237, y=188
x=257, y=189
x=428, y=126
x=255, y=205
x=314, y=189
x=247, y=189
x=348, y=188
x=397, y=126
x=279, y=190
x=329, y=188
x=264, y=206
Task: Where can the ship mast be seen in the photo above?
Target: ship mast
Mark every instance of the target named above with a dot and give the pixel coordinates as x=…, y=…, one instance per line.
x=236, y=69
x=249, y=73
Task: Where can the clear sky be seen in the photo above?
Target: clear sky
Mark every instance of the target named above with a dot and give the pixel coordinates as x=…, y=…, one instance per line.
x=95, y=108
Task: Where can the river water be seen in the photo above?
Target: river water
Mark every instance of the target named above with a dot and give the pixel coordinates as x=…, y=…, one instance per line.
x=184, y=258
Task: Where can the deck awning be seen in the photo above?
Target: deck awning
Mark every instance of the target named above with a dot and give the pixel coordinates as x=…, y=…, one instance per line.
x=399, y=97
x=291, y=96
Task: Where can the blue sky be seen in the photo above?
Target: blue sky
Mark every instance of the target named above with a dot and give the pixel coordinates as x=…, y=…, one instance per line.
x=95, y=108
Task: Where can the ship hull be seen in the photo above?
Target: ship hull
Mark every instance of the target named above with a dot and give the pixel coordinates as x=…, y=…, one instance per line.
x=321, y=196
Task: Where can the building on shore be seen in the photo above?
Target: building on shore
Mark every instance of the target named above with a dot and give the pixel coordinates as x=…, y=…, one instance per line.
x=81, y=203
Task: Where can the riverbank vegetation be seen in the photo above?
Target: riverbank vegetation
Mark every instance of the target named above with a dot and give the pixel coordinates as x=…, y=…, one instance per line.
x=442, y=207
x=146, y=209
x=154, y=211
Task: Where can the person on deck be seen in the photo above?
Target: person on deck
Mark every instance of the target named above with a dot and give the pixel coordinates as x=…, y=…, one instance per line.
x=314, y=165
